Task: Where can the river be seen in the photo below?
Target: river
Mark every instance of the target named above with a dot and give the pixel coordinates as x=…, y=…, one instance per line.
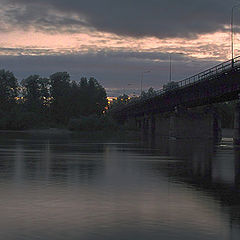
x=90, y=188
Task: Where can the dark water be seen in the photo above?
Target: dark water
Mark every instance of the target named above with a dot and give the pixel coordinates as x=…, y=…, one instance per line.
x=73, y=188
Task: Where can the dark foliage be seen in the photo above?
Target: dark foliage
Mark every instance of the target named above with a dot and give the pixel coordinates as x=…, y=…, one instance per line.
x=8, y=90
x=40, y=102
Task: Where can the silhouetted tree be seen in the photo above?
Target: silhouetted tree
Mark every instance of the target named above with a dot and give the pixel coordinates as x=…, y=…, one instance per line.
x=8, y=90
x=71, y=99
x=40, y=100
x=98, y=99
x=60, y=91
x=36, y=93
x=88, y=98
x=150, y=93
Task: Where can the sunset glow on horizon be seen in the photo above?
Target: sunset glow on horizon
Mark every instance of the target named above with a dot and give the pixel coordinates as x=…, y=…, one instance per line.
x=215, y=46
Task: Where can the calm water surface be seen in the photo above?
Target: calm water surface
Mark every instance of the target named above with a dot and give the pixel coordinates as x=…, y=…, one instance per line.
x=88, y=188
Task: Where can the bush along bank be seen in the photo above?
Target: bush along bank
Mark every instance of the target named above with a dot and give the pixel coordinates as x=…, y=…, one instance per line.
x=92, y=123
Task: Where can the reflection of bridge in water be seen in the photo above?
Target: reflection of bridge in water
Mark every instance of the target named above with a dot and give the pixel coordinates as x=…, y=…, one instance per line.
x=208, y=169
x=217, y=84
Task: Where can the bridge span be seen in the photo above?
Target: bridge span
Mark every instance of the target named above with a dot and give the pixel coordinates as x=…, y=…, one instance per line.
x=220, y=83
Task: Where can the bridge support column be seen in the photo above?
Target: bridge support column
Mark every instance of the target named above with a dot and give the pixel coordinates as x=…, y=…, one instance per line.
x=145, y=124
x=138, y=123
x=153, y=124
x=236, y=137
x=217, y=128
x=183, y=123
x=142, y=124
x=172, y=126
x=176, y=122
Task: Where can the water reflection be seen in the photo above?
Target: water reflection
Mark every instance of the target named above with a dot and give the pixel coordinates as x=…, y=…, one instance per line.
x=70, y=188
x=50, y=160
x=211, y=169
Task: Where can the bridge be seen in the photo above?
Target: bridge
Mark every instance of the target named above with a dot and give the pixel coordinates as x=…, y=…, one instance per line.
x=220, y=83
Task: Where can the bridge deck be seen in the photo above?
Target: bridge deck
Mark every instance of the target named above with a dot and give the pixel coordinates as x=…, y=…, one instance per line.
x=217, y=84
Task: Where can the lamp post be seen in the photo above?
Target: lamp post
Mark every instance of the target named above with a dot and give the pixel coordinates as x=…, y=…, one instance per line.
x=171, y=64
x=142, y=78
x=232, y=33
x=170, y=67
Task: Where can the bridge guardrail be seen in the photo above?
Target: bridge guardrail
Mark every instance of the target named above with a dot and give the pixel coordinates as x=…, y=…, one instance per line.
x=218, y=69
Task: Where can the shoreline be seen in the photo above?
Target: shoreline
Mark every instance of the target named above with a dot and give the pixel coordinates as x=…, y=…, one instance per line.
x=226, y=132
x=66, y=132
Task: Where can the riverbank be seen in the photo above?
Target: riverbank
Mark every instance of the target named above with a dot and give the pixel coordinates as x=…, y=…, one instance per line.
x=120, y=133
x=60, y=133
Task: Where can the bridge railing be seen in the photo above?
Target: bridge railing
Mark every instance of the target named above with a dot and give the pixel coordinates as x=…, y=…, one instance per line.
x=218, y=69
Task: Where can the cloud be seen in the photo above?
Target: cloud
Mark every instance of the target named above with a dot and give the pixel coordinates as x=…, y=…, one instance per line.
x=137, y=18
x=121, y=70
x=24, y=51
x=40, y=17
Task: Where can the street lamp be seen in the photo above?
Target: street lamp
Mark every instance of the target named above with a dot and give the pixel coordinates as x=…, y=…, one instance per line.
x=232, y=33
x=142, y=78
x=171, y=64
x=170, y=67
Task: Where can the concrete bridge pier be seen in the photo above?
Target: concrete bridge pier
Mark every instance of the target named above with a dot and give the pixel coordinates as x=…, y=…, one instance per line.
x=152, y=125
x=138, y=123
x=145, y=126
x=236, y=137
x=172, y=127
x=216, y=125
x=181, y=123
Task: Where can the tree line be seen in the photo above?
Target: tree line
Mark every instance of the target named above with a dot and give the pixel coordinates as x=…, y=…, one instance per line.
x=42, y=102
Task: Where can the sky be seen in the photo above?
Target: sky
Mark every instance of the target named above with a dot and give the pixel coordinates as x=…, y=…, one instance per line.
x=116, y=41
